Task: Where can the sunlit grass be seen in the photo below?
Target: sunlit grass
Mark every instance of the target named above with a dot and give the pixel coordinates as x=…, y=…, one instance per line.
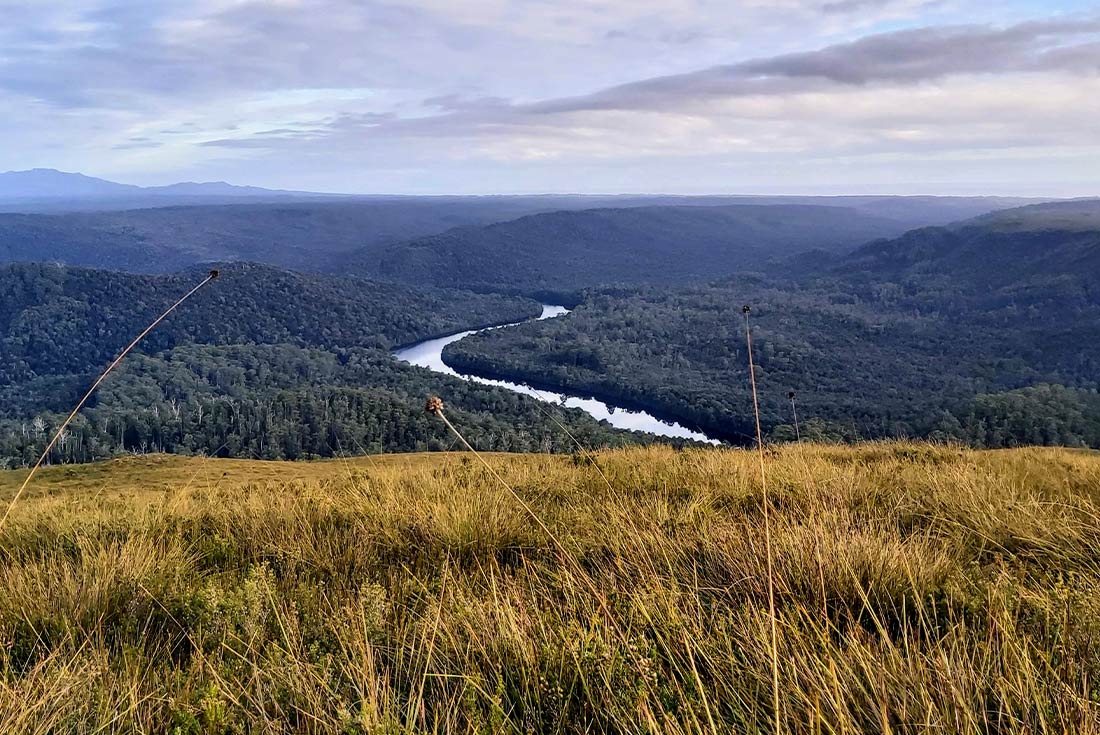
x=918, y=588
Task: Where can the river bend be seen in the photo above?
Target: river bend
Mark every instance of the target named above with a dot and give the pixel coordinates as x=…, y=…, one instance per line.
x=429, y=354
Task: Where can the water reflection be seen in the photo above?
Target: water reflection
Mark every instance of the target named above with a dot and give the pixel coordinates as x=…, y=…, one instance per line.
x=429, y=354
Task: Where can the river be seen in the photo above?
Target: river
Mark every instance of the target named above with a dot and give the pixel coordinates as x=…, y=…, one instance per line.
x=429, y=354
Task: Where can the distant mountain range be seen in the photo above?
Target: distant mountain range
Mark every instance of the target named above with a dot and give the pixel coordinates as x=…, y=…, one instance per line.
x=46, y=188
x=883, y=329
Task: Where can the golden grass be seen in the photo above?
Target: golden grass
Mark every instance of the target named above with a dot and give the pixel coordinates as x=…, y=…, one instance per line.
x=918, y=589
x=80, y=404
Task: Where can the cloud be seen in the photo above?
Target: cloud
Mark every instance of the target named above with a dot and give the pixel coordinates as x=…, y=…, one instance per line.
x=129, y=54
x=405, y=90
x=825, y=77
x=910, y=56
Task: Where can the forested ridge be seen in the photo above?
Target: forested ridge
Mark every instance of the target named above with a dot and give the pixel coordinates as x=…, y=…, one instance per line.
x=55, y=317
x=562, y=252
x=302, y=235
x=340, y=235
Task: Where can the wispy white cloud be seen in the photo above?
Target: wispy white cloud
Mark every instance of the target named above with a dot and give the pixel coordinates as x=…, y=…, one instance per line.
x=546, y=94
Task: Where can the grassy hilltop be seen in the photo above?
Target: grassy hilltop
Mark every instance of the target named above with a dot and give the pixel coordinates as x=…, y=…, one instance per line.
x=918, y=589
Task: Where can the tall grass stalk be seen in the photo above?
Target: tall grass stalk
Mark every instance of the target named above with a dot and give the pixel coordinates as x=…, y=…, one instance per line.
x=794, y=413
x=103, y=376
x=746, y=310
x=435, y=407
x=583, y=449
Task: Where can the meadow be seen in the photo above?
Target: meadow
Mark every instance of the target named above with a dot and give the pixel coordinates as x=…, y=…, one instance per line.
x=918, y=588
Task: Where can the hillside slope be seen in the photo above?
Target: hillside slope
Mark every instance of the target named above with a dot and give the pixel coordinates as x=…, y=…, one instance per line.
x=304, y=236
x=1013, y=249
x=74, y=319
x=647, y=245
x=323, y=234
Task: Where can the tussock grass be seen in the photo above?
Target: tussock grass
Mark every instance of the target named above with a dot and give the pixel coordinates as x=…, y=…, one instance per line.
x=917, y=588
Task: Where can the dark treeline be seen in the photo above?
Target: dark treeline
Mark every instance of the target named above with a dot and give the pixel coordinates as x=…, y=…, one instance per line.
x=284, y=402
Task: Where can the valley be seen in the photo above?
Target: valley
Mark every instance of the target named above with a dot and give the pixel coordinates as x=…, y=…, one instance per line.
x=982, y=331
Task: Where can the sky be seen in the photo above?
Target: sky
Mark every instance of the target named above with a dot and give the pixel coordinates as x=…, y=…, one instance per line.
x=584, y=96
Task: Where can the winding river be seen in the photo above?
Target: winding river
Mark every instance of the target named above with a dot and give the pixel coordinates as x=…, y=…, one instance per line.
x=429, y=354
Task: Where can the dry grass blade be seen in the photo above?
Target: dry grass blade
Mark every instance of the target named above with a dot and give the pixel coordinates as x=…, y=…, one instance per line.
x=103, y=376
x=794, y=413
x=434, y=406
x=584, y=450
x=767, y=521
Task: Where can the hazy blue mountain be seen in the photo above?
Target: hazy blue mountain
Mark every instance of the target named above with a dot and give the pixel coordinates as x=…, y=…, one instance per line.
x=79, y=220
x=910, y=211
x=312, y=236
x=49, y=190
x=220, y=188
x=43, y=189
x=45, y=183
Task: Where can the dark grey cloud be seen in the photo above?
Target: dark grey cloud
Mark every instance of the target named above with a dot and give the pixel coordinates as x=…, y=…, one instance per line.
x=909, y=56
x=928, y=53
x=843, y=7
x=137, y=145
x=255, y=142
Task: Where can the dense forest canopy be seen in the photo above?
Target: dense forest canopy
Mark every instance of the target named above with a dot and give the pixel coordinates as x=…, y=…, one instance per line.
x=262, y=362
x=564, y=251
x=69, y=318
x=308, y=236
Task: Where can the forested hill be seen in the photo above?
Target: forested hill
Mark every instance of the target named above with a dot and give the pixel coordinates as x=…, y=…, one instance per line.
x=333, y=236
x=260, y=363
x=308, y=236
x=1015, y=249
x=987, y=331
x=72, y=319
x=646, y=245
